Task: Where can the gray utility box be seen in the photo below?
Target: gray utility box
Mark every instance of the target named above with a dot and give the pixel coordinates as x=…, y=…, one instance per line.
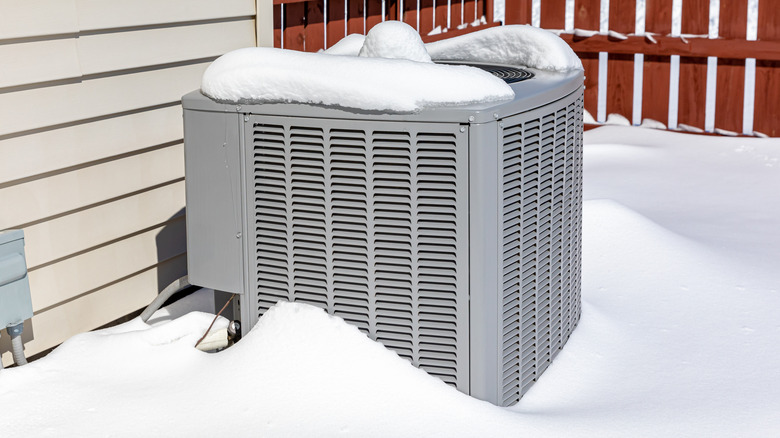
x=451, y=235
x=15, y=303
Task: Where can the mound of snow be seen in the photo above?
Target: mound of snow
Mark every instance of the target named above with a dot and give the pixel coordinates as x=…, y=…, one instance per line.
x=257, y=74
x=673, y=335
x=522, y=45
x=723, y=191
x=617, y=119
x=349, y=45
x=652, y=124
x=394, y=39
x=299, y=372
x=588, y=118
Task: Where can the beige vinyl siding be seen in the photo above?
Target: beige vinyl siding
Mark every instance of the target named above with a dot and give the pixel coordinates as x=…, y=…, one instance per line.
x=91, y=151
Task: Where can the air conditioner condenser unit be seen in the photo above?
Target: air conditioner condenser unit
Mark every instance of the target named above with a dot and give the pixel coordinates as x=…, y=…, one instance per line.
x=452, y=235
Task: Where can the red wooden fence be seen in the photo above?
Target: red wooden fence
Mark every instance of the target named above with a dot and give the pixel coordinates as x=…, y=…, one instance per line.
x=673, y=85
x=731, y=47
x=318, y=24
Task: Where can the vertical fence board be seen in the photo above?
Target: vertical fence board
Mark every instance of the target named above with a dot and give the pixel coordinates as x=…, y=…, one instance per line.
x=440, y=7
x=768, y=20
x=696, y=17
x=456, y=18
x=468, y=14
x=590, y=61
x=620, y=85
x=517, y=11
x=315, y=26
x=587, y=14
x=553, y=14
x=391, y=10
x=374, y=13
x=489, y=11
x=765, y=118
x=733, y=19
x=277, y=26
x=355, y=17
x=693, y=71
x=655, y=88
x=693, y=91
x=730, y=94
x=622, y=16
x=729, y=98
x=426, y=17
x=294, y=26
x=410, y=13
x=658, y=16
x=655, y=72
x=336, y=19
x=620, y=68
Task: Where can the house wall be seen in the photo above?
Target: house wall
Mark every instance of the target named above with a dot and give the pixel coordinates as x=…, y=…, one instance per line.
x=91, y=154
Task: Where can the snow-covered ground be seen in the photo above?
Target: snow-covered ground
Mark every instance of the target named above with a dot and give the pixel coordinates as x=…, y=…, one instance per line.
x=679, y=333
x=681, y=292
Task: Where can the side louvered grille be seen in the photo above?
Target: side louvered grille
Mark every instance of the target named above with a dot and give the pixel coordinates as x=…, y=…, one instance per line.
x=542, y=217
x=363, y=223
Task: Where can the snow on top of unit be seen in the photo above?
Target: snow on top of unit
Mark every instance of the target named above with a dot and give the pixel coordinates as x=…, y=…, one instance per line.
x=389, y=70
x=521, y=45
x=394, y=39
x=258, y=75
x=349, y=45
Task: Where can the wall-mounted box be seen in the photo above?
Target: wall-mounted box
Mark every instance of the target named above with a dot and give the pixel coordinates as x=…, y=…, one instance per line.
x=15, y=303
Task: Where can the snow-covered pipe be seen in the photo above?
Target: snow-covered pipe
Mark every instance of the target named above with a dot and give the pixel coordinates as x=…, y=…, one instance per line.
x=166, y=293
x=17, y=346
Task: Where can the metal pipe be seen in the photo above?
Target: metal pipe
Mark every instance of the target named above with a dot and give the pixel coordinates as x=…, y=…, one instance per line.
x=166, y=293
x=17, y=346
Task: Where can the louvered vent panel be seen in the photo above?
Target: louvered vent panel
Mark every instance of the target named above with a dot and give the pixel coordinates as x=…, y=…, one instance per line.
x=542, y=197
x=577, y=265
x=349, y=222
x=272, y=167
x=364, y=223
x=436, y=217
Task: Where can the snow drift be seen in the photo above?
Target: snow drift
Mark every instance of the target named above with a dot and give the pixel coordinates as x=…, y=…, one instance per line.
x=299, y=372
